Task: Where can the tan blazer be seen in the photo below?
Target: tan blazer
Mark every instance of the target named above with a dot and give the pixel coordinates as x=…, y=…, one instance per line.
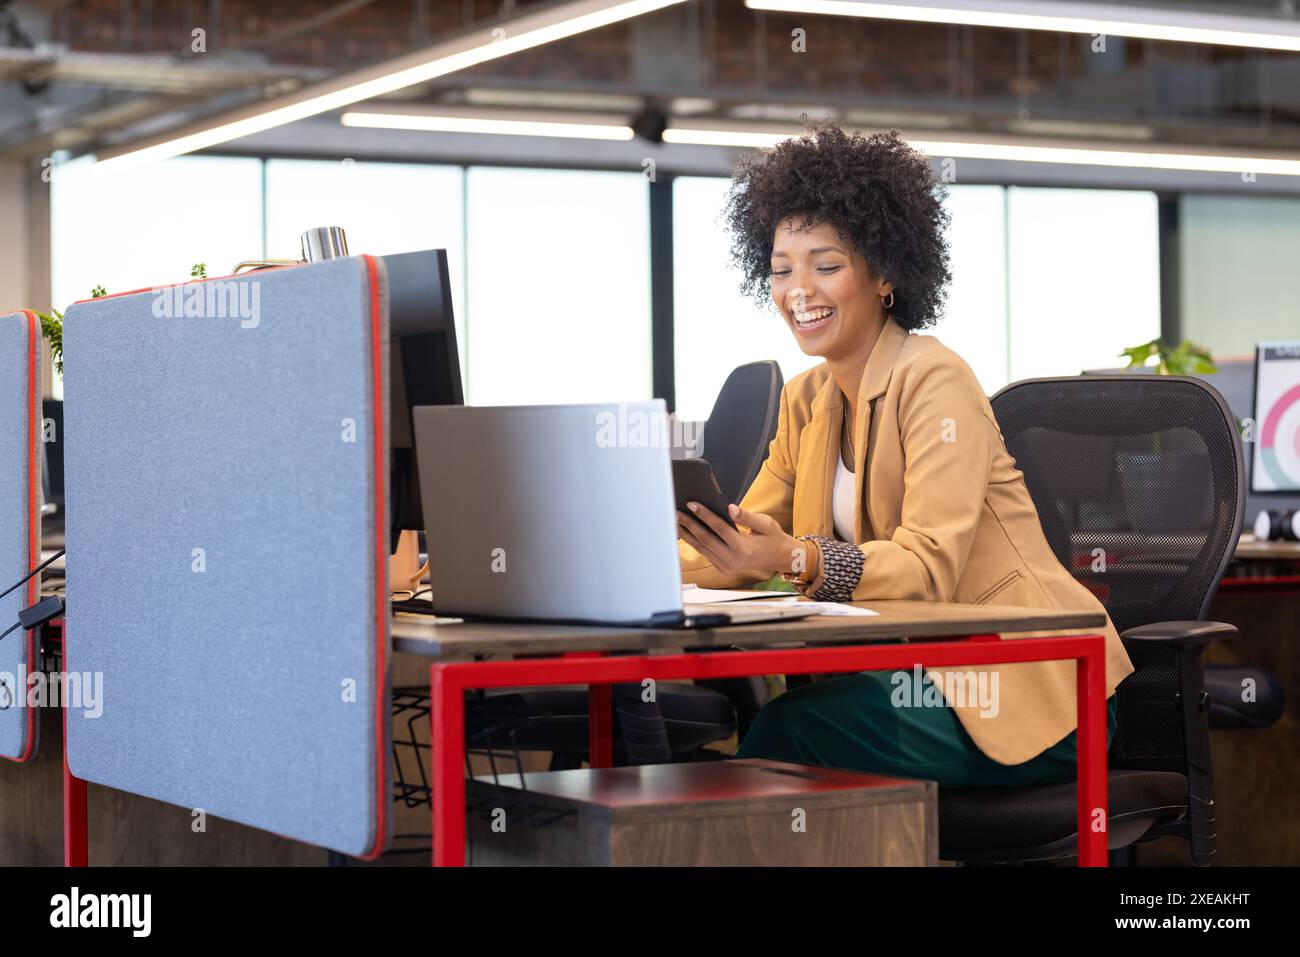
x=943, y=515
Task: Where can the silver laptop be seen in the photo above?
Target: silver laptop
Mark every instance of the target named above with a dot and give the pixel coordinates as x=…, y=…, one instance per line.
x=559, y=513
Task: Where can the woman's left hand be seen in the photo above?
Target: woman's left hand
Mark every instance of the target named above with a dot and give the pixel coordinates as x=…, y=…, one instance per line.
x=766, y=550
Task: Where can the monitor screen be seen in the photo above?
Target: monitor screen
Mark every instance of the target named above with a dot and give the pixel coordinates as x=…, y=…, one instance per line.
x=1275, y=461
x=424, y=367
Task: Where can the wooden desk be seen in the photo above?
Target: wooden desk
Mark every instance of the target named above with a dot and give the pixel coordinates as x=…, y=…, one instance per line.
x=474, y=655
x=1250, y=547
x=1263, y=569
x=421, y=635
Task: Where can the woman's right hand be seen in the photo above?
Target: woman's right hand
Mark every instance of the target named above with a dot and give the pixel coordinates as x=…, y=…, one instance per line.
x=762, y=552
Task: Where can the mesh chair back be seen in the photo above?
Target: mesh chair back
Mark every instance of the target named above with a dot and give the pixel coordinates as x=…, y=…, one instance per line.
x=742, y=425
x=1138, y=485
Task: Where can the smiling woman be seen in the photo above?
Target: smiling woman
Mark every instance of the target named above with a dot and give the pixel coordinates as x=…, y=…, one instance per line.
x=888, y=477
x=873, y=196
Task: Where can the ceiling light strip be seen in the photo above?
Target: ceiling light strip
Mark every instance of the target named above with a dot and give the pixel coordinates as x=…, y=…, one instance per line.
x=436, y=123
x=523, y=33
x=1011, y=151
x=1146, y=23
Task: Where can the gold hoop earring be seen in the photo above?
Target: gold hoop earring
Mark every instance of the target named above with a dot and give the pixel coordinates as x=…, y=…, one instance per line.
x=890, y=304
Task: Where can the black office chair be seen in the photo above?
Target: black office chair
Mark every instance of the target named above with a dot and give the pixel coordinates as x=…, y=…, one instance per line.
x=742, y=425
x=1148, y=470
x=737, y=434
x=1231, y=709
x=685, y=717
x=1243, y=697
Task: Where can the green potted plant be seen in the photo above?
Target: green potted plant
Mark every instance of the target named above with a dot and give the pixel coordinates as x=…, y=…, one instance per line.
x=1184, y=359
x=1168, y=486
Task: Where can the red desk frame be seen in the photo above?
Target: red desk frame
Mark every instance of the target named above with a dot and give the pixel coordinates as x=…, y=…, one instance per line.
x=450, y=680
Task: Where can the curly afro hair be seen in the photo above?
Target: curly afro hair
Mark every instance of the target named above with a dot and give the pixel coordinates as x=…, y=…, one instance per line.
x=877, y=191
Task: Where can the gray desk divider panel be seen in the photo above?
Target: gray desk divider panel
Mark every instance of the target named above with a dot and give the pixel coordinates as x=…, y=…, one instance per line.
x=227, y=530
x=20, y=523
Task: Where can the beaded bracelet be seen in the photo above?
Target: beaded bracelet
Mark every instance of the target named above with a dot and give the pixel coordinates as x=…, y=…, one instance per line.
x=842, y=564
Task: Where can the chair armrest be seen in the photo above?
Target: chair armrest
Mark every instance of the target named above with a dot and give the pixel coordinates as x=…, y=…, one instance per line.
x=1181, y=634
x=1188, y=640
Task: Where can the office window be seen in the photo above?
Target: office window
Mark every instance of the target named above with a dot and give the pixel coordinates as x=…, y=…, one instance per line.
x=716, y=328
x=1238, y=258
x=385, y=208
x=974, y=324
x=558, y=286
x=145, y=227
x=1084, y=278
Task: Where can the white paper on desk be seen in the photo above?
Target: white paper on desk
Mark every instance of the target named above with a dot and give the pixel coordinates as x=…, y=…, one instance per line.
x=835, y=608
x=695, y=595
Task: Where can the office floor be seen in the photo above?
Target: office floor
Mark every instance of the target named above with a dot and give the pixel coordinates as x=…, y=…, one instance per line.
x=125, y=829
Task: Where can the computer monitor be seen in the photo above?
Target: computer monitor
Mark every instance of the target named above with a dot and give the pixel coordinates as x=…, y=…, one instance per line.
x=1275, y=458
x=52, y=433
x=424, y=368
x=52, y=464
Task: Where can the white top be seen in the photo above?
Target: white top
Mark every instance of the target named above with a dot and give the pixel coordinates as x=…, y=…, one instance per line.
x=843, y=506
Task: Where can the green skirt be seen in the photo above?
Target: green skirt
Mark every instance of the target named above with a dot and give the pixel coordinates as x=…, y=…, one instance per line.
x=855, y=722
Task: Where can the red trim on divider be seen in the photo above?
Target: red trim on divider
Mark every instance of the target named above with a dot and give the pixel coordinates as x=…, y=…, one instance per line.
x=382, y=597
x=381, y=534
x=33, y=514
x=173, y=285
x=76, y=822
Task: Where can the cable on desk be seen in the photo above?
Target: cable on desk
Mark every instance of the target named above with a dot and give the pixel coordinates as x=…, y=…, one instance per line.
x=57, y=555
x=45, y=610
x=412, y=605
